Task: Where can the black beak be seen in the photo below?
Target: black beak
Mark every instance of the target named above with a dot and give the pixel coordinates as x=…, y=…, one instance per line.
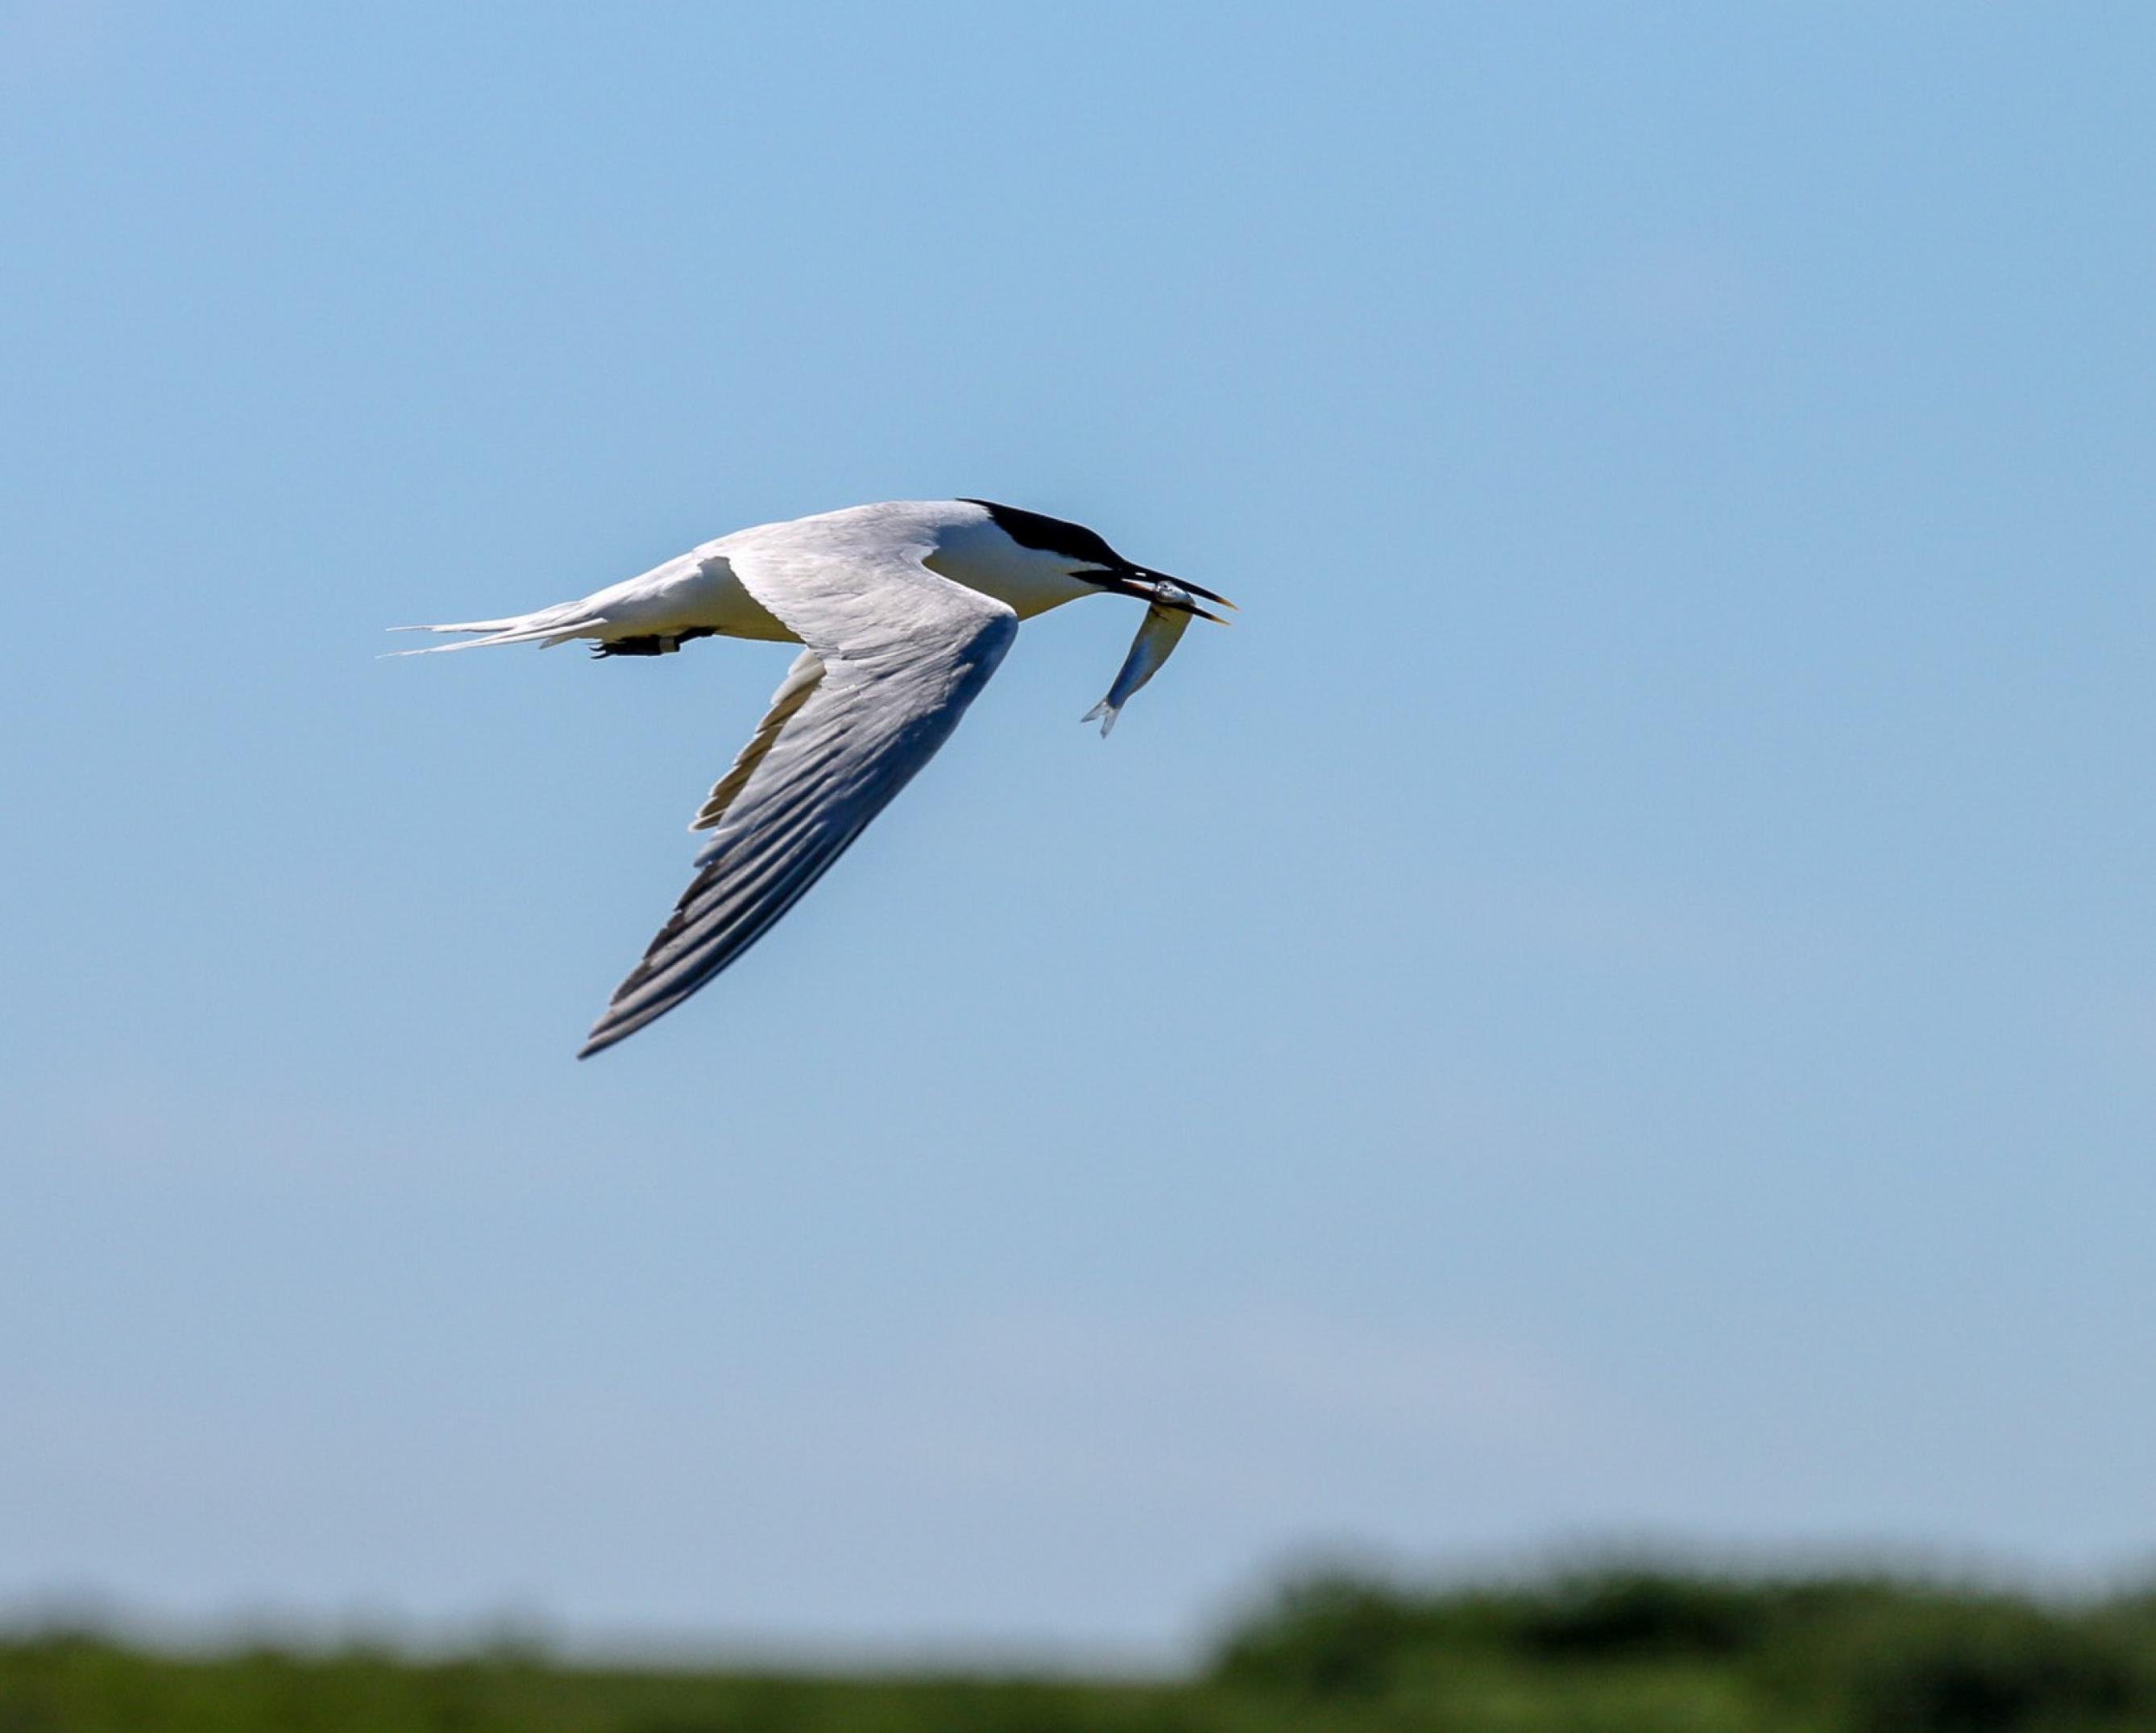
x=1162, y=591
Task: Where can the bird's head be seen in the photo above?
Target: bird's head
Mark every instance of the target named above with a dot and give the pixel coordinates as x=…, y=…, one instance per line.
x=1011, y=552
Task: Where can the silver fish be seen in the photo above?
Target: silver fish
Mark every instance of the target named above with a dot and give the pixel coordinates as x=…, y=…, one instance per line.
x=1165, y=622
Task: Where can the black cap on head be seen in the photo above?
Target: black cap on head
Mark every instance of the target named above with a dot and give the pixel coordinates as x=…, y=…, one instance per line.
x=1083, y=547
x=1053, y=536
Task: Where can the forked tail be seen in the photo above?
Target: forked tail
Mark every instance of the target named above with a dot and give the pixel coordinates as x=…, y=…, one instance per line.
x=553, y=625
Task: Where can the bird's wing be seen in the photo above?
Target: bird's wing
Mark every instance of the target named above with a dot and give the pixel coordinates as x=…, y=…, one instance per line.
x=796, y=689
x=894, y=654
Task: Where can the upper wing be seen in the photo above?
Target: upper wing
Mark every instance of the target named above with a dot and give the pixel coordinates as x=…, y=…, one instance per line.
x=894, y=654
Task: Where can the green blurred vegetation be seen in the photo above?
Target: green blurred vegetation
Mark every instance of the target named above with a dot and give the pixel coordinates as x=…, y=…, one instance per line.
x=1609, y=1650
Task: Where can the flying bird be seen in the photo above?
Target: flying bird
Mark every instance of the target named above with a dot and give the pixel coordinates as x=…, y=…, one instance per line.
x=903, y=611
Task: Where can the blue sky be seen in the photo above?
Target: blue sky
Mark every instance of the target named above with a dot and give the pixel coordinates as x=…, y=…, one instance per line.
x=1620, y=1000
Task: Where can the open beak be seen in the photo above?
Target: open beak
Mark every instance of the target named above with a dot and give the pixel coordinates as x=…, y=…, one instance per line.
x=1162, y=591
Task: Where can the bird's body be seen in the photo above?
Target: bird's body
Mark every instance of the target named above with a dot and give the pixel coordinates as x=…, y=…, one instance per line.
x=905, y=610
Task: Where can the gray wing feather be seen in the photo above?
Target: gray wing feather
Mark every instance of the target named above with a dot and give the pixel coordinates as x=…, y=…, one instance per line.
x=899, y=658
x=794, y=691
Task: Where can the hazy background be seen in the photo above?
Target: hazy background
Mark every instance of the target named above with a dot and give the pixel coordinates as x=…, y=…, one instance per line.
x=1620, y=999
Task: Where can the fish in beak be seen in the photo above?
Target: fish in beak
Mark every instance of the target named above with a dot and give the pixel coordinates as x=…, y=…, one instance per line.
x=1162, y=591
x=1169, y=606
